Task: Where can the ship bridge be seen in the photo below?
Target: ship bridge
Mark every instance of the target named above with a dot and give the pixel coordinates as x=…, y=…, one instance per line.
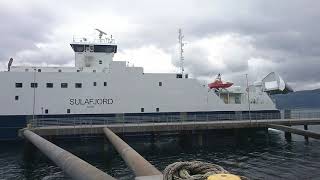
x=93, y=54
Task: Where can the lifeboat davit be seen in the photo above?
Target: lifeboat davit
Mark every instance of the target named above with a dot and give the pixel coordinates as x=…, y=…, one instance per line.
x=218, y=84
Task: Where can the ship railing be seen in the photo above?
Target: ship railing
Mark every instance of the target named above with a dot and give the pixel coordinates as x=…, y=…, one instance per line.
x=90, y=40
x=170, y=118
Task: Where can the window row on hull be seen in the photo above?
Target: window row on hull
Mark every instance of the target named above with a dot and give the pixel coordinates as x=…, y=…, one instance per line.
x=51, y=85
x=63, y=85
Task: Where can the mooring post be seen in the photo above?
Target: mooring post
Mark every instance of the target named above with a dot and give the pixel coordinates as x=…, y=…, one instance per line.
x=153, y=138
x=266, y=131
x=288, y=136
x=306, y=128
x=140, y=166
x=75, y=167
x=200, y=139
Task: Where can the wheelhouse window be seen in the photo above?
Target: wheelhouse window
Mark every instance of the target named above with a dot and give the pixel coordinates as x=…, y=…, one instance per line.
x=91, y=47
x=49, y=85
x=34, y=85
x=77, y=47
x=64, y=85
x=105, y=48
x=78, y=85
x=18, y=85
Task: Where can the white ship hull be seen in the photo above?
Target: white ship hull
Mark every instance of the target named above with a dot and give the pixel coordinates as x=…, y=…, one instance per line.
x=127, y=90
x=98, y=86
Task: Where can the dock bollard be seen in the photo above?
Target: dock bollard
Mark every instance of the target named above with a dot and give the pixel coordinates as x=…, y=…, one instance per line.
x=75, y=167
x=134, y=160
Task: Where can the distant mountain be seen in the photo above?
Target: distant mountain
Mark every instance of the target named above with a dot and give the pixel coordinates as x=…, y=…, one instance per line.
x=298, y=100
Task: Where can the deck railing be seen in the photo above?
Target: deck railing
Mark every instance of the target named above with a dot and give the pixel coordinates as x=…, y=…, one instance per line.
x=166, y=118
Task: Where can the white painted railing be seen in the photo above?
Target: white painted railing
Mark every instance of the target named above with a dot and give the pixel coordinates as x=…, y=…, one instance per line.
x=163, y=117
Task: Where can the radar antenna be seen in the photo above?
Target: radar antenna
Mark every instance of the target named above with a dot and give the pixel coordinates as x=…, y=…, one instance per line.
x=101, y=33
x=181, y=43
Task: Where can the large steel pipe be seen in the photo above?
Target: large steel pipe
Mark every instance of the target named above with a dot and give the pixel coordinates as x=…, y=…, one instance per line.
x=75, y=167
x=134, y=160
x=308, y=133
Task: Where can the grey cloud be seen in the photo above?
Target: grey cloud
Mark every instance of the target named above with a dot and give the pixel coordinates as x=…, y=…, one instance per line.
x=196, y=63
x=21, y=29
x=284, y=32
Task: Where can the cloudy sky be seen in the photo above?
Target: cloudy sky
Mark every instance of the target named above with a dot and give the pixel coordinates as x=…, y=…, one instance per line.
x=229, y=37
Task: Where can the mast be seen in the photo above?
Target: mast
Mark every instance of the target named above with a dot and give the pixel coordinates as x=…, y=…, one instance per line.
x=34, y=95
x=181, y=44
x=249, y=107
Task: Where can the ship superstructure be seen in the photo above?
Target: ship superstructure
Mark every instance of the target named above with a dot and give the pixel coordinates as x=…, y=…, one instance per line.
x=99, y=86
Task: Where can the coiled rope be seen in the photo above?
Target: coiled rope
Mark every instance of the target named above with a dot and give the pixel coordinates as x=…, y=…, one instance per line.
x=193, y=170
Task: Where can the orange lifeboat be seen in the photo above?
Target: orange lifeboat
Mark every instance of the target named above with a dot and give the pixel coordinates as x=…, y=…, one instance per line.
x=217, y=84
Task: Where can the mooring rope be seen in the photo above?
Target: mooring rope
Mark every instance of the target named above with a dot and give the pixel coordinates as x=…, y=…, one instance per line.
x=193, y=170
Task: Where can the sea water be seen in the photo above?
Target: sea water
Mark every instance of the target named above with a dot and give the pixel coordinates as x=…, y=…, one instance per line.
x=258, y=157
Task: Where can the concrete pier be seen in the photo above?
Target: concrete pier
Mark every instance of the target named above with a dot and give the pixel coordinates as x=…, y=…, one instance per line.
x=166, y=127
x=75, y=167
x=290, y=130
x=141, y=167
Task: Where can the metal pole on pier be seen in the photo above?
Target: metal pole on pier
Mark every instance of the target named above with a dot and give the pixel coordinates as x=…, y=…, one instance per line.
x=134, y=160
x=249, y=105
x=34, y=93
x=75, y=167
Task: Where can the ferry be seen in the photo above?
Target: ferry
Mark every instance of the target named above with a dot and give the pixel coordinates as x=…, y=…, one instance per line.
x=97, y=86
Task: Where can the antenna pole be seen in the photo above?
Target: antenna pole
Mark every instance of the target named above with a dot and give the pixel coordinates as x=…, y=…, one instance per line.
x=249, y=106
x=34, y=95
x=181, y=51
